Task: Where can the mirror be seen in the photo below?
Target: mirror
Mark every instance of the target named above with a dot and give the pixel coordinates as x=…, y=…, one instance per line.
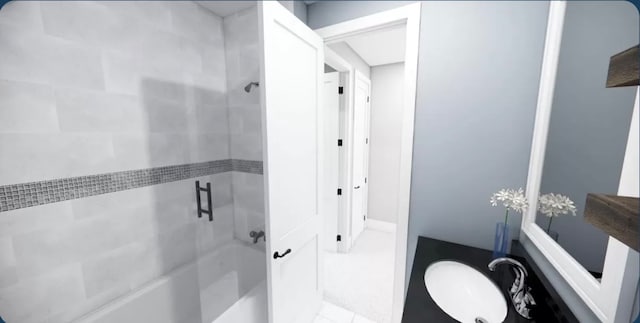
x=572, y=92
x=588, y=125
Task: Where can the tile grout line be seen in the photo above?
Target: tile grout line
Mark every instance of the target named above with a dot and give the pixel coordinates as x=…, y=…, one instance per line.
x=30, y=194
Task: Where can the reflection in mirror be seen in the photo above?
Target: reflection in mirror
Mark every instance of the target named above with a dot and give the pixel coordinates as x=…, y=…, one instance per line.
x=589, y=123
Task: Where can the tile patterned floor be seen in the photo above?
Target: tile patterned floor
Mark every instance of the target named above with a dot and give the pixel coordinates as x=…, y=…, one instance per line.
x=330, y=313
x=362, y=280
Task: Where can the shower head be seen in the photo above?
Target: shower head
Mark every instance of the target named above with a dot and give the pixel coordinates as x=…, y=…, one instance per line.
x=248, y=87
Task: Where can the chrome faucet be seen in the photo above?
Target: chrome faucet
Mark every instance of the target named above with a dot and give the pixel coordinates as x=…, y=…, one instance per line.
x=520, y=293
x=257, y=235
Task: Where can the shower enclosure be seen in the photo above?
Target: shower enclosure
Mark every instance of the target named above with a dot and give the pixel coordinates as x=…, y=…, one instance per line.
x=109, y=114
x=133, y=182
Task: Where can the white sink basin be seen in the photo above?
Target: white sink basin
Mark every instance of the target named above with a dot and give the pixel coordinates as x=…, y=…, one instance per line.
x=464, y=293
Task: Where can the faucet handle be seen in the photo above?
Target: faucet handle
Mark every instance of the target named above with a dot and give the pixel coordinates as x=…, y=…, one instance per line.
x=519, y=281
x=520, y=297
x=516, y=282
x=257, y=235
x=528, y=298
x=524, y=310
x=524, y=303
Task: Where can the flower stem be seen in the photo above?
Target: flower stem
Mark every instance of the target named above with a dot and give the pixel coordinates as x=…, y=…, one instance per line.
x=506, y=217
x=549, y=225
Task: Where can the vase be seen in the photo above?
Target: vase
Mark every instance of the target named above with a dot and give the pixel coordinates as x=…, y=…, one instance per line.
x=501, y=240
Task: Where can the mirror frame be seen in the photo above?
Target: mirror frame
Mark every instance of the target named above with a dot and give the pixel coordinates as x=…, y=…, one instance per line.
x=612, y=299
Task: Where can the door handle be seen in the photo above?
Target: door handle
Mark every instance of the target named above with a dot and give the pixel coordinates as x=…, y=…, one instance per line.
x=276, y=255
x=200, y=209
x=357, y=187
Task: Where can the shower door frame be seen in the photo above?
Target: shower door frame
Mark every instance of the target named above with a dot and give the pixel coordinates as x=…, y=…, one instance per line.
x=408, y=15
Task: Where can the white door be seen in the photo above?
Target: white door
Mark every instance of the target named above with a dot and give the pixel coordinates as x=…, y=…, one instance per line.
x=292, y=75
x=331, y=109
x=360, y=154
x=367, y=134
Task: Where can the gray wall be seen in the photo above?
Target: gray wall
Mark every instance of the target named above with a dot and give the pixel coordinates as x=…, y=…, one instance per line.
x=297, y=7
x=325, y=13
x=589, y=123
x=300, y=10
x=387, y=85
x=476, y=100
x=474, y=115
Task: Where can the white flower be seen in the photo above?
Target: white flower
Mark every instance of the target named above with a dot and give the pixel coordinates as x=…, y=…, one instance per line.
x=555, y=205
x=501, y=196
x=511, y=199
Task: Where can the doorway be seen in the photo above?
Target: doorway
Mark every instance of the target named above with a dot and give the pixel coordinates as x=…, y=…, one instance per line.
x=364, y=253
x=298, y=185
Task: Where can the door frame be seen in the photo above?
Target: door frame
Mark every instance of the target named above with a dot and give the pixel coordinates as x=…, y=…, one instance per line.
x=347, y=77
x=330, y=183
x=409, y=15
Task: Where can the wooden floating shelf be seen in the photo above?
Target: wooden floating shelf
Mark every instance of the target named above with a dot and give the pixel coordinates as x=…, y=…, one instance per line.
x=624, y=68
x=615, y=215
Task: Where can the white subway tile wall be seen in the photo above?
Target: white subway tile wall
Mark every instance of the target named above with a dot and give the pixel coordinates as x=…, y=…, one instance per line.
x=27, y=107
x=245, y=118
x=109, y=86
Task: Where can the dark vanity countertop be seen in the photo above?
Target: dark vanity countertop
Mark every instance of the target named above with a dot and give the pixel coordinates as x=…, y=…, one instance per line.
x=420, y=308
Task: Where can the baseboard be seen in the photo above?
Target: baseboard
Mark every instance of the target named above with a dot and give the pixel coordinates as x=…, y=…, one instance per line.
x=380, y=225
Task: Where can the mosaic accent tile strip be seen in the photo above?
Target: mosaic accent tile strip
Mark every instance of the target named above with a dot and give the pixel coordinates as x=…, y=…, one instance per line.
x=25, y=195
x=247, y=166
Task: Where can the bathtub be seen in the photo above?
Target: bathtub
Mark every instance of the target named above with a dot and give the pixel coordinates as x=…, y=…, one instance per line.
x=233, y=288
x=226, y=285
x=251, y=308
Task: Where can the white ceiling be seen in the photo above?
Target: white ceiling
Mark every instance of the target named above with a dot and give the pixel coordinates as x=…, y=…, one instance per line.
x=225, y=8
x=380, y=47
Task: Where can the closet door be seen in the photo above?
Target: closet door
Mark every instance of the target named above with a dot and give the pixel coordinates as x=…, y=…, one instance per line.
x=360, y=155
x=292, y=81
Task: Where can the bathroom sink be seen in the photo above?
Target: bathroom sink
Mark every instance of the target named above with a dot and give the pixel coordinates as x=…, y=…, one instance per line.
x=464, y=293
